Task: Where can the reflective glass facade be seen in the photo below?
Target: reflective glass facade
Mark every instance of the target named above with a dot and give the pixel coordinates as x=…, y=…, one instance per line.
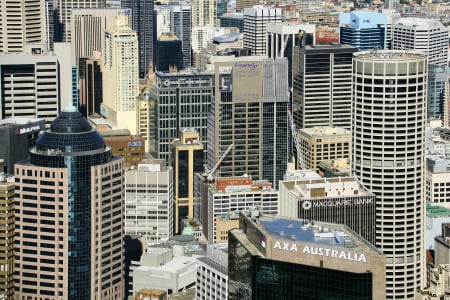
x=254, y=277
x=87, y=225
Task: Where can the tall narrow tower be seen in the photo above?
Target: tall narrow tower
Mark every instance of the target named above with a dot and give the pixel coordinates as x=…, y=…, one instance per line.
x=389, y=113
x=120, y=74
x=142, y=23
x=69, y=215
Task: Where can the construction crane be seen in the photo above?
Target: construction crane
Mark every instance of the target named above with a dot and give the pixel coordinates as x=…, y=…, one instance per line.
x=301, y=161
x=209, y=174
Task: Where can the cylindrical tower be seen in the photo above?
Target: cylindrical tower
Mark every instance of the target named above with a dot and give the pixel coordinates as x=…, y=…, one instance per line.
x=388, y=136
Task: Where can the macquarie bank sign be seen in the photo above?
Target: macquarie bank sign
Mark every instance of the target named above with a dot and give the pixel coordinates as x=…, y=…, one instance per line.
x=341, y=254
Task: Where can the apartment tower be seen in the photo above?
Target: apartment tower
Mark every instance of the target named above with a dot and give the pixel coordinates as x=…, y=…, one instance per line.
x=388, y=143
x=120, y=74
x=69, y=222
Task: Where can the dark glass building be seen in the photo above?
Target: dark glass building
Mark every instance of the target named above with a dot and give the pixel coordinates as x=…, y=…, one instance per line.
x=169, y=53
x=69, y=223
x=281, y=258
x=142, y=23
x=91, y=86
x=17, y=136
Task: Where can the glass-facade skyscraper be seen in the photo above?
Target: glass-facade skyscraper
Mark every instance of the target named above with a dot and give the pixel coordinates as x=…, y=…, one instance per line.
x=69, y=225
x=365, y=30
x=142, y=23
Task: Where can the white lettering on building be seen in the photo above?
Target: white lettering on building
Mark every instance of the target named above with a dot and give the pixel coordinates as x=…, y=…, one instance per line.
x=321, y=251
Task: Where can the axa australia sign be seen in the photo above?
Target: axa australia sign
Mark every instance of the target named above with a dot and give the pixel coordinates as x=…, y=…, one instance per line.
x=319, y=250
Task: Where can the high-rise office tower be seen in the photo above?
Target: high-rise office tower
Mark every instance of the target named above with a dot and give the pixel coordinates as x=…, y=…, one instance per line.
x=63, y=14
x=149, y=202
x=120, y=74
x=176, y=101
x=437, y=78
x=388, y=142
x=282, y=38
x=273, y=257
x=142, y=23
x=425, y=35
x=91, y=82
x=366, y=30
x=180, y=25
x=32, y=84
x=321, y=94
x=250, y=111
x=255, y=23
x=69, y=222
x=7, y=199
x=187, y=158
x=21, y=22
x=87, y=29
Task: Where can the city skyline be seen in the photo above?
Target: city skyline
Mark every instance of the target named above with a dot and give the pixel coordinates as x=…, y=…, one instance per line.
x=148, y=150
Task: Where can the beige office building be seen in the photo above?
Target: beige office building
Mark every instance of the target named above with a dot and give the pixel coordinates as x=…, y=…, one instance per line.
x=69, y=215
x=323, y=143
x=187, y=159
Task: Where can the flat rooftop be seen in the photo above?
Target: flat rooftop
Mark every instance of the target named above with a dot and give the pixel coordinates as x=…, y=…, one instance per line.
x=321, y=233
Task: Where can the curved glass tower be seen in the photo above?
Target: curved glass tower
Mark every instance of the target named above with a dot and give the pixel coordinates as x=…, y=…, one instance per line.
x=70, y=214
x=389, y=113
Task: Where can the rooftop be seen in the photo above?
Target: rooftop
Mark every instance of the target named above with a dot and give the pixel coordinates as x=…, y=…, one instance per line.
x=325, y=131
x=384, y=55
x=321, y=233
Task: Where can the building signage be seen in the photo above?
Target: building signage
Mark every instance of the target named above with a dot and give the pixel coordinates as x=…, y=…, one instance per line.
x=249, y=66
x=134, y=144
x=334, y=203
x=181, y=81
x=322, y=251
x=28, y=129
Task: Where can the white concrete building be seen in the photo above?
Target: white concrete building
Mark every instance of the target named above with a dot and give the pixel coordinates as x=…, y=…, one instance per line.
x=425, y=35
x=36, y=83
x=232, y=194
x=120, y=74
x=212, y=273
x=389, y=97
x=165, y=269
x=255, y=23
x=149, y=201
